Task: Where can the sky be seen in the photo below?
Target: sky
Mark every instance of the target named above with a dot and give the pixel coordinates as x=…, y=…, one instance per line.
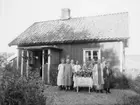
x=17, y=15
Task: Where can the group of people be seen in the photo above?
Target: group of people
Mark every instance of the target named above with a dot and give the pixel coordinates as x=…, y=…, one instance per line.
x=101, y=74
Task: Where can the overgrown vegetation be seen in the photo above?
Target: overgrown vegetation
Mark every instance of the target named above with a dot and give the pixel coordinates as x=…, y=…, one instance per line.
x=17, y=90
x=135, y=86
x=119, y=80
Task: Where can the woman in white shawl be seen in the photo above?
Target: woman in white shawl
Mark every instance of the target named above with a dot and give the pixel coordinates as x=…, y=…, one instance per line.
x=60, y=77
x=95, y=74
x=98, y=76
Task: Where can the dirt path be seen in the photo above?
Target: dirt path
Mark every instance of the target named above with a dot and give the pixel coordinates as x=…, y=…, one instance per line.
x=85, y=98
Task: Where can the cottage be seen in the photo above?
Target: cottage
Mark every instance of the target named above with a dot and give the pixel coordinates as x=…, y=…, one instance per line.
x=84, y=38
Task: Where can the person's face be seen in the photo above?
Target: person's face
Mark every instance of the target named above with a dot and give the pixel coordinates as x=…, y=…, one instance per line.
x=107, y=65
x=103, y=59
x=93, y=61
x=67, y=61
x=62, y=61
x=77, y=62
x=72, y=61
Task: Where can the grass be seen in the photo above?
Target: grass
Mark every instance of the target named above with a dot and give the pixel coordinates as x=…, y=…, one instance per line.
x=85, y=98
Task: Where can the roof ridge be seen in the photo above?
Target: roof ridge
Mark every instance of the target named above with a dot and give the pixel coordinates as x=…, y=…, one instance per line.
x=117, y=13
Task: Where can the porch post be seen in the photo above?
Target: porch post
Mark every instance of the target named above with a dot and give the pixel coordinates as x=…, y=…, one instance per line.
x=27, y=64
x=22, y=54
x=121, y=56
x=17, y=59
x=43, y=54
x=49, y=63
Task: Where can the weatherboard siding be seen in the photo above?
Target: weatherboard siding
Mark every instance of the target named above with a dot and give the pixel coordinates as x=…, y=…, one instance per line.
x=76, y=50
x=109, y=50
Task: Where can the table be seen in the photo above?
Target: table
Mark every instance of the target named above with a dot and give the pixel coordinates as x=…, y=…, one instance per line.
x=82, y=82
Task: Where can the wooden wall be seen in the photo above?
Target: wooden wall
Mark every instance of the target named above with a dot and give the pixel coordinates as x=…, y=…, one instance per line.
x=76, y=50
x=109, y=50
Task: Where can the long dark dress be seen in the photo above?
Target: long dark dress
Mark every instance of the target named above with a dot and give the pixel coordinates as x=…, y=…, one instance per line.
x=107, y=73
x=68, y=75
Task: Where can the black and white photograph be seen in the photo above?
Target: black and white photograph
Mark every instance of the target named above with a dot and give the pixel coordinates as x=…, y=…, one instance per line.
x=69, y=52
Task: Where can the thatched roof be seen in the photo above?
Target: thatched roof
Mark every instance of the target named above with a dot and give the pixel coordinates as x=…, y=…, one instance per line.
x=97, y=28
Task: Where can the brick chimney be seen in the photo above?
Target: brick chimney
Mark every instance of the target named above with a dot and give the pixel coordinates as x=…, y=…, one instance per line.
x=65, y=13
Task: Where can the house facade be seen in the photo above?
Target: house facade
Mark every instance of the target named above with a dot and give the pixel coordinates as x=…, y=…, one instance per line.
x=44, y=43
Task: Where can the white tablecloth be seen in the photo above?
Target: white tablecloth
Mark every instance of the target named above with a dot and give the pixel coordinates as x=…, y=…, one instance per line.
x=83, y=81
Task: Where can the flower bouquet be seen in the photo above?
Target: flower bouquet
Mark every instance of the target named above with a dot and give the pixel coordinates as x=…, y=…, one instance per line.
x=83, y=73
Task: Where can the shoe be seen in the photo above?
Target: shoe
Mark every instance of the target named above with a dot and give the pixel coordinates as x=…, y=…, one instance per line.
x=66, y=88
x=59, y=88
x=101, y=91
x=109, y=91
x=97, y=91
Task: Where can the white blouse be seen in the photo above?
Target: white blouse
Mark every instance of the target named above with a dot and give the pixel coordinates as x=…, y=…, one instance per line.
x=77, y=68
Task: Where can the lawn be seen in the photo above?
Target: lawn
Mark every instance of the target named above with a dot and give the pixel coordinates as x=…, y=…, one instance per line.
x=85, y=98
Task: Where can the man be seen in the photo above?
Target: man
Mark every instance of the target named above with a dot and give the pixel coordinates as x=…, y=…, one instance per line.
x=107, y=73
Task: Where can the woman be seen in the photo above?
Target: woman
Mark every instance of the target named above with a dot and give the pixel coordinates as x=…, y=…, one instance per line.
x=72, y=64
x=103, y=62
x=68, y=75
x=60, y=77
x=100, y=76
x=84, y=67
x=95, y=75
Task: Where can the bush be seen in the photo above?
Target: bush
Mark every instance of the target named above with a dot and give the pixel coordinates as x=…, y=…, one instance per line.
x=134, y=100
x=135, y=84
x=17, y=90
x=53, y=75
x=119, y=80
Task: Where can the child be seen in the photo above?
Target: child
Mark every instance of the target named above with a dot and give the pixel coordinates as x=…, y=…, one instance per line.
x=77, y=67
x=84, y=67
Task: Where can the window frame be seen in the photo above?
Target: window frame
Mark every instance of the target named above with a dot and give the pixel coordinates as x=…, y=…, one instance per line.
x=91, y=50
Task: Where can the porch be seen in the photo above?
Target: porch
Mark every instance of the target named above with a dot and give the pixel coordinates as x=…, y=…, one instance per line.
x=43, y=59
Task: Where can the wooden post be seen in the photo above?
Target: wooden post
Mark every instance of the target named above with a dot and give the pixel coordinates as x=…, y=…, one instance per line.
x=89, y=89
x=124, y=65
x=121, y=56
x=49, y=63
x=27, y=64
x=22, y=54
x=43, y=55
x=17, y=59
x=77, y=89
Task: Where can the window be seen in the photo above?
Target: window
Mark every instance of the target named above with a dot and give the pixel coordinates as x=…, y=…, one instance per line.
x=90, y=53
